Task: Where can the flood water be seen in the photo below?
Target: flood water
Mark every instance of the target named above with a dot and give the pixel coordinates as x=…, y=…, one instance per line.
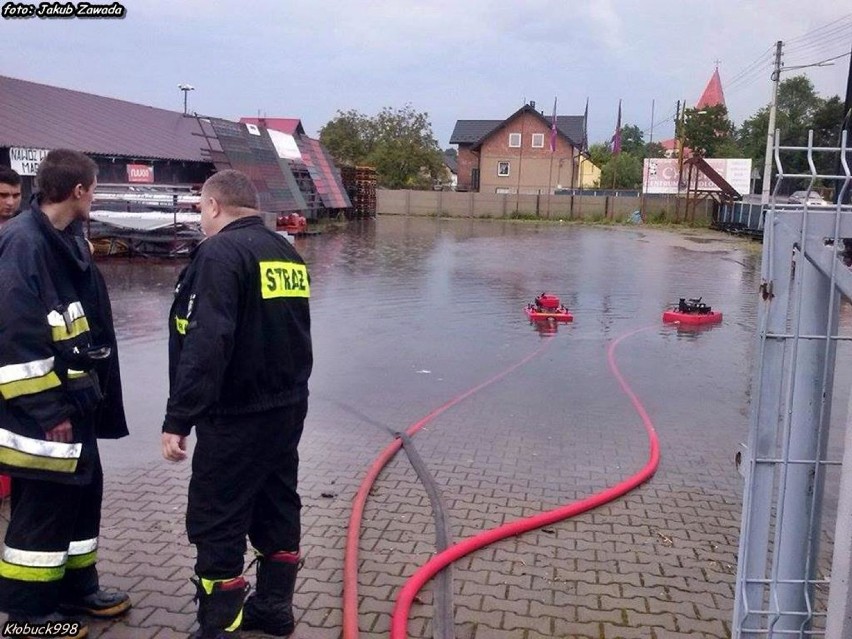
x=409, y=312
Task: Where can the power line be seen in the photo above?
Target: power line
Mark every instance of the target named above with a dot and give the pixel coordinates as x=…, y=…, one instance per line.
x=835, y=35
x=817, y=64
x=815, y=32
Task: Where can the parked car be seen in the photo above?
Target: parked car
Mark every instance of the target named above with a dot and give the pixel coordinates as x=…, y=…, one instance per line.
x=812, y=197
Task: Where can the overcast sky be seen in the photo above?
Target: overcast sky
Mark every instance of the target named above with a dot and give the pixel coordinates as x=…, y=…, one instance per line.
x=461, y=59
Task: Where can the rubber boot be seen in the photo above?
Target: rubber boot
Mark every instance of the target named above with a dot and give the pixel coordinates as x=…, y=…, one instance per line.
x=270, y=608
x=220, y=607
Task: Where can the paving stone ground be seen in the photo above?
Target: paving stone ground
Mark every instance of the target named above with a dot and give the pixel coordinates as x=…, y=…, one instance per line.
x=658, y=563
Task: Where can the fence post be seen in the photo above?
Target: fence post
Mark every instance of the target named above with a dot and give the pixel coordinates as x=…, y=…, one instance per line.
x=470, y=208
x=408, y=202
x=505, y=204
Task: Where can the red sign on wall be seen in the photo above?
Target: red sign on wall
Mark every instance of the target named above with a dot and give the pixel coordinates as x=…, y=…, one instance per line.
x=140, y=173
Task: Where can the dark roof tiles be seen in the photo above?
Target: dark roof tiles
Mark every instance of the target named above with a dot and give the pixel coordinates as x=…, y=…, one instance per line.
x=474, y=132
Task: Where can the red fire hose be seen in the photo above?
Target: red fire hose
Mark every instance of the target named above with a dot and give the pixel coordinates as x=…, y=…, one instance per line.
x=399, y=621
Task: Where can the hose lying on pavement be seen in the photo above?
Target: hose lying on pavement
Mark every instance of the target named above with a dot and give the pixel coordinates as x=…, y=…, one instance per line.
x=350, y=561
x=399, y=622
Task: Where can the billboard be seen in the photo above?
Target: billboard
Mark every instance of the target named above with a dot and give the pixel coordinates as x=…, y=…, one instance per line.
x=660, y=175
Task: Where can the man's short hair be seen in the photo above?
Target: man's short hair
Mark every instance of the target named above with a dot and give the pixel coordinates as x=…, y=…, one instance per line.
x=232, y=188
x=61, y=171
x=10, y=177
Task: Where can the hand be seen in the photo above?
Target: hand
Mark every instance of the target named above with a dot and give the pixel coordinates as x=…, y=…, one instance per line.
x=174, y=447
x=61, y=432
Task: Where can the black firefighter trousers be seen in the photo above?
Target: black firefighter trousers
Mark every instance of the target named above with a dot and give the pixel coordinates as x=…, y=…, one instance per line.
x=49, y=520
x=244, y=482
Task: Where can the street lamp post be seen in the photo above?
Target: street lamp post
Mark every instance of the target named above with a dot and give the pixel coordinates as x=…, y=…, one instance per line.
x=186, y=88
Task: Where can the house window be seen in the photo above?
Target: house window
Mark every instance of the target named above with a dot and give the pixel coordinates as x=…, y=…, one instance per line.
x=502, y=169
x=515, y=140
x=538, y=140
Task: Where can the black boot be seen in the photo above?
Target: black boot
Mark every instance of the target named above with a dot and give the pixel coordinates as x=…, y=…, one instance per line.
x=270, y=608
x=220, y=605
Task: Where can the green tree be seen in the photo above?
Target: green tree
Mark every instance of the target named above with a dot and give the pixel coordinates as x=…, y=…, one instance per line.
x=623, y=171
x=633, y=140
x=706, y=131
x=797, y=108
x=600, y=154
x=347, y=137
x=398, y=142
x=654, y=150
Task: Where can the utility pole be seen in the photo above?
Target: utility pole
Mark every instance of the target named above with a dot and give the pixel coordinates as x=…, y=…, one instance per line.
x=845, y=126
x=770, y=134
x=651, y=140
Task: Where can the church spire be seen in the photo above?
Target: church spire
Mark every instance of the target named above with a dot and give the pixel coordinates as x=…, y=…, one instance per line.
x=713, y=94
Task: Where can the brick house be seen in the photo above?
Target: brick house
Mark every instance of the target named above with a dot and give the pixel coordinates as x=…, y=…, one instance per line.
x=514, y=156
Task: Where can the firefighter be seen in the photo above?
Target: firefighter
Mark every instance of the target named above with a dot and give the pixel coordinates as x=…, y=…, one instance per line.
x=61, y=391
x=239, y=360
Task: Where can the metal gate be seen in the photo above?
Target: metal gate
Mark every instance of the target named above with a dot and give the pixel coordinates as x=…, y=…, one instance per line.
x=783, y=587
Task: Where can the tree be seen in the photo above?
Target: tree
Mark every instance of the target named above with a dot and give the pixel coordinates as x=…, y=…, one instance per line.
x=347, y=137
x=654, y=150
x=705, y=131
x=451, y=152
x=623, y=171
x=600, y=154
x=797, y=107
x=398, y=142
x=632, y=140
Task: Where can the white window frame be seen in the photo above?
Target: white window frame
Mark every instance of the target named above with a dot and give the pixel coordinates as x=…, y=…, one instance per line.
x=539, y=139
x=515, y=137
x=508, y=165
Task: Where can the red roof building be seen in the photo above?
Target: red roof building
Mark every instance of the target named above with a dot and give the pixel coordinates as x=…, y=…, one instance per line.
x=713, y=94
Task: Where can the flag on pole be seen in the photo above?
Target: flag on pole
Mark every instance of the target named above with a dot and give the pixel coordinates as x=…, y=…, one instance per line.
x=585, y=146
x=616, y=139
x=553, y=129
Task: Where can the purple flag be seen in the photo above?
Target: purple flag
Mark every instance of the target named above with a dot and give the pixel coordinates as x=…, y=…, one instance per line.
x=553, y=129
x=616, y=139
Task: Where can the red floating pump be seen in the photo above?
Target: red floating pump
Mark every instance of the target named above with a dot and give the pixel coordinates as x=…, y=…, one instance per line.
x=547, y=301
x=547, y=307
x=693, y=312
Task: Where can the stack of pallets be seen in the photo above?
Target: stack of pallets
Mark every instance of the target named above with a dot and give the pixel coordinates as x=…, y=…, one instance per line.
x=360, y=183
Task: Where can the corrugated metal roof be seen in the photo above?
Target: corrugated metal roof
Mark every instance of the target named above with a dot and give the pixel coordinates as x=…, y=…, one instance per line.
x=41, y=116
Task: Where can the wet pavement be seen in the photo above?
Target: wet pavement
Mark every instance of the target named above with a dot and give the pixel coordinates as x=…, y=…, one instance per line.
x=410, y=313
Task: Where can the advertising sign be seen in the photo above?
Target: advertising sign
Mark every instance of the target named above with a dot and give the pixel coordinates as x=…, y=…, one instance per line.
x=25, y=161
x=140, y=174
x=660, y=175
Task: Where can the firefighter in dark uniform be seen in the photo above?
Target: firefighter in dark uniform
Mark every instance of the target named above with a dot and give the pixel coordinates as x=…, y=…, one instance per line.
x=239, y=361
x=60, y=391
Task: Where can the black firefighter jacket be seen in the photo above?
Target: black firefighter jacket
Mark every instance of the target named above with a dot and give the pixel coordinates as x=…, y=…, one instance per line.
x=239, y=327
x=54, y=313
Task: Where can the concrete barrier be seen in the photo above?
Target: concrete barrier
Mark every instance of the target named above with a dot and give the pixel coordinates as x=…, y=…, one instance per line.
x=594, y=208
